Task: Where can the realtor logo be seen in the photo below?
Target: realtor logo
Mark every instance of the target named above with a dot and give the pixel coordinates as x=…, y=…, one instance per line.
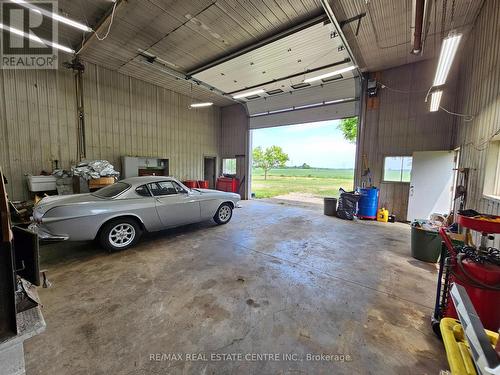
x=28, y=35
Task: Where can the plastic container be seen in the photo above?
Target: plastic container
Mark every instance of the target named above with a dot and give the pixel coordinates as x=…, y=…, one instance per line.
x=425, y=245
x=330, y=206
x=457, y=348
x=41, y=183
x=383, y=215
x=368, y=203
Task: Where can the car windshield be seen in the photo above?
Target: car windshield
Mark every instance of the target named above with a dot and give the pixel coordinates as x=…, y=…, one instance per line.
x=111, y=190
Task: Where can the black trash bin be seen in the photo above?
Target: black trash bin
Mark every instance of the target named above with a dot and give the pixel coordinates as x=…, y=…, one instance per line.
x=330, y=206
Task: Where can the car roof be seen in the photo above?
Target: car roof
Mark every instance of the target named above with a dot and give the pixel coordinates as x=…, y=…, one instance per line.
x=136, y=181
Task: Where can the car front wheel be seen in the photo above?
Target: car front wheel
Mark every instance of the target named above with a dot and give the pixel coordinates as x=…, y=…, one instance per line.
x=223, y=214
x=120, y=234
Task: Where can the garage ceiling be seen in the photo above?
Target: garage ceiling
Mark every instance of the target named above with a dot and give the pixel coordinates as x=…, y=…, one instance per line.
x=384, y=37
x=186, y=35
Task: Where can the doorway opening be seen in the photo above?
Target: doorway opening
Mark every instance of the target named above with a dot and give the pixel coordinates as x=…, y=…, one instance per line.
x=210, y=170
x=302, y=163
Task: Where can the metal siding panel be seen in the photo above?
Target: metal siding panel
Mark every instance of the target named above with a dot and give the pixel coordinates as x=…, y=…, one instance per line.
x=402, y=124
x=479, y=94
x=34, y=124
x=153, y=121
x=233, y=140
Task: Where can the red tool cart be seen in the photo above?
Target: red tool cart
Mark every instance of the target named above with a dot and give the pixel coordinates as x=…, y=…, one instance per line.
x=193, y=184
x=230, y=184
x=477, y=269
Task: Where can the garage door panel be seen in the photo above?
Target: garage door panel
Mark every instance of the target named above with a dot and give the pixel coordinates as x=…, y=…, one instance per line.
x=301, y=116
x=313, y=95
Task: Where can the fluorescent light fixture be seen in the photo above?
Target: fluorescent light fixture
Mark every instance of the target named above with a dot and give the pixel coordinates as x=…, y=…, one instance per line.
x=54, y=16
x=248, y=93
x=199, y=105
x=448, y=51
x=36, y=39
x=326, y=75
x=435, y=100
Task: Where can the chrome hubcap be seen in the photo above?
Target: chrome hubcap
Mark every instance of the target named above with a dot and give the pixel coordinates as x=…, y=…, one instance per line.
x=224, y=213
x=122, y=235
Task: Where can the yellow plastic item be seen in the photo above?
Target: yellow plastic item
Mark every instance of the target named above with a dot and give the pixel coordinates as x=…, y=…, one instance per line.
x=457, y=349
x=383, y=215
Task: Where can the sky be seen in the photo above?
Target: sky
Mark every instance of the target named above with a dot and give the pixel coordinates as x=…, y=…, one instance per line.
x=318, y=144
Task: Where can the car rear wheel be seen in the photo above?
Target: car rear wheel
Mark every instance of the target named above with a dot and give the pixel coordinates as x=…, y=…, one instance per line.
x=120, y=234
x=223, y=214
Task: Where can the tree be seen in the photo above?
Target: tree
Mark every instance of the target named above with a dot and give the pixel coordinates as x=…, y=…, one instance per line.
x=306, y=166
x=349, y=128
x=271, y=157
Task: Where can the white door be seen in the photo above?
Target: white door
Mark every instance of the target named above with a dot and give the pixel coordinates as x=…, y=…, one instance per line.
x=431, y=184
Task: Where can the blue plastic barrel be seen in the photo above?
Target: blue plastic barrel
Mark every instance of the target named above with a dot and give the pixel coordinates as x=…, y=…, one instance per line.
x=368, y=203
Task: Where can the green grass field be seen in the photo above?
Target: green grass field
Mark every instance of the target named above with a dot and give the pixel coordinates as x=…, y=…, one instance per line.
x=316, y=181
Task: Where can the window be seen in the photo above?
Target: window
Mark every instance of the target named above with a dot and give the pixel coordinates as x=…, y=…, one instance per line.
x=492, y=171
x=397, y=168
x=229, y=166
x=111, y=191
x=165, y=188
x=179, y=188
x=143, y=191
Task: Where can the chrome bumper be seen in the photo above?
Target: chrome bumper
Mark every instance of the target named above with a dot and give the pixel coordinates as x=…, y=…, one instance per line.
x=45, y=235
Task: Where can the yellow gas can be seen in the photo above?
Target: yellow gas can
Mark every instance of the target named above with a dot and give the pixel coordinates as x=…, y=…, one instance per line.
x=383, y=215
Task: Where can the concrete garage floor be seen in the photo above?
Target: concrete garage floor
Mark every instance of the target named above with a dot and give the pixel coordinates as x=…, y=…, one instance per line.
x=276, y=279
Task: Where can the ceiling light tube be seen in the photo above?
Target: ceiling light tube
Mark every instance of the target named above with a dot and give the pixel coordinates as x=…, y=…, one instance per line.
x=448, y=51
x=36, y=39
x=326, y=75
x=435, y=100
x=199, y=105
x=248, y=93
x=54, y=16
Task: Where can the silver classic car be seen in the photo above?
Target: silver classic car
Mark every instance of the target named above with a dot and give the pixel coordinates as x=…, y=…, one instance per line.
x=118, y=214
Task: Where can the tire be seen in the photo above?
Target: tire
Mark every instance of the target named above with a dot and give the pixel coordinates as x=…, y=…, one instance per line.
x=120, y=234
x=223, y=214
x=436, y=328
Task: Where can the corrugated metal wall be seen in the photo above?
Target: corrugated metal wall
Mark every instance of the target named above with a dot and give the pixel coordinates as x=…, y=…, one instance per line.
x=38, y=124
x=234, y=141
x=124, y=116
x=401, y=125
x=479, y=94
x=234, y=130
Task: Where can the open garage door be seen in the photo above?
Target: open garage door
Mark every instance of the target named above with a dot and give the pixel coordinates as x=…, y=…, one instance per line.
x=304, y=75
x=326, y=102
